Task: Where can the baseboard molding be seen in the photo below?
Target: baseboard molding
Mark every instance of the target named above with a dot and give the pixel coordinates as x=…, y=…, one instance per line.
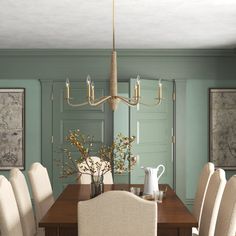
x=189, y=202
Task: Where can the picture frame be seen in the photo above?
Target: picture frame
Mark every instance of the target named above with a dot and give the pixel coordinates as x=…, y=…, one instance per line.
x=12, y=128
x=222, y=127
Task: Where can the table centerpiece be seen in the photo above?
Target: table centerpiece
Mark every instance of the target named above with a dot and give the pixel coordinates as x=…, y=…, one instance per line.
x=117, y=158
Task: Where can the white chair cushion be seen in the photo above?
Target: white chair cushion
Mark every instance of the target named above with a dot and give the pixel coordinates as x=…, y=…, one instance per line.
x=9, y=216
x=23, y=200
x=203, y=181
x=212, y=203
x=41, y=189
x=117, y=213
x=226, y=221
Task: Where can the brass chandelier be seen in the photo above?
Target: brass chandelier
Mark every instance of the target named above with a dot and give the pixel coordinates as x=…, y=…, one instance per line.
x=113, y=98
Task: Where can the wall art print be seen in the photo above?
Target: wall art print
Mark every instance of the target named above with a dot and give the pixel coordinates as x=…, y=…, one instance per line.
x=222, y=114
x=12, y=128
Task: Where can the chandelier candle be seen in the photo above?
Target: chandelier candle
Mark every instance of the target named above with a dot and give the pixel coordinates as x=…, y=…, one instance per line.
x=92, y=88
x=67, y=89
x=160, y=90
x=88, y=87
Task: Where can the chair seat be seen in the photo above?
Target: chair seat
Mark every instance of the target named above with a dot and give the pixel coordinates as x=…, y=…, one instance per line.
x=23, y=200
x=9, y=215
x=212, y=203
x=203, y=181
x=123, y=212
x=226, y=220
x=41, y=190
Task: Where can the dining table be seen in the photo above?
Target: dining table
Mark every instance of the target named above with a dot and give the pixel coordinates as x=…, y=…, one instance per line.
x=174, y=219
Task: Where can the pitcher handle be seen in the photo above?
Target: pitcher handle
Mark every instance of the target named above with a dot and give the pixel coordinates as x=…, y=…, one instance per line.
x=162, y=172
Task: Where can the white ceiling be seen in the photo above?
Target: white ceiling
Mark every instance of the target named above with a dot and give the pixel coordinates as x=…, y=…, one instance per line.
x=139, y=23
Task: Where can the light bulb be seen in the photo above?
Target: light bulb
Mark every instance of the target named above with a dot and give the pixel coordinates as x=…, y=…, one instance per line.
x=67, y=82
x=88, y=80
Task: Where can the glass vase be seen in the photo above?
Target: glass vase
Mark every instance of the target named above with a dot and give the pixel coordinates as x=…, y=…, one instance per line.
x=97, y=186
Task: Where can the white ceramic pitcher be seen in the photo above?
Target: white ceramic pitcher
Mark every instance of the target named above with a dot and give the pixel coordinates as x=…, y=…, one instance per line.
x=151, y=178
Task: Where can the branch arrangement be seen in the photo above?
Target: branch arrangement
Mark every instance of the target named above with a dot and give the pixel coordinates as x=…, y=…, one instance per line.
x=117, y=157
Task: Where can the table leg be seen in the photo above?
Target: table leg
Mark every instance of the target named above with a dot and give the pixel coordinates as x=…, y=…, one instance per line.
x=167, y=232
x=185, y=232
x=175, y=232
x=61, y=231
x=51, y=231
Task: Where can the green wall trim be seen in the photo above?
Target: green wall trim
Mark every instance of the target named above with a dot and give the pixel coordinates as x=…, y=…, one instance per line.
x=47, y=121
x=189, y=202
x=121, y=52
x=77, y=64
x=181, y=139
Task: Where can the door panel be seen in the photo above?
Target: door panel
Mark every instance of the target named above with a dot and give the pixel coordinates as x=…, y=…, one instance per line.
x=152, y=126
x=93, y=121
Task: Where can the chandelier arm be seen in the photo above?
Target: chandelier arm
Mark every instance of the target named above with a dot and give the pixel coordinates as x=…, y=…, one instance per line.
x=129, y=102
x=133, y=99
x=152, y=105
x=98, y=102
x=76, y=105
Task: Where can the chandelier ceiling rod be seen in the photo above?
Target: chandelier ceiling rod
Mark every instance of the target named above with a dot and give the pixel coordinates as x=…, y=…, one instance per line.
x=113, y=26
x=113, y=98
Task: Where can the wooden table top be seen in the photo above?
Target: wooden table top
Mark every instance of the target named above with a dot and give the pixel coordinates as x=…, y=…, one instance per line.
x=171, y=212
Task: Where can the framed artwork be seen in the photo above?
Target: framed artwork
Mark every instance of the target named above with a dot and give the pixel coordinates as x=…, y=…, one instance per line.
x=12, y=109
x=222, y=124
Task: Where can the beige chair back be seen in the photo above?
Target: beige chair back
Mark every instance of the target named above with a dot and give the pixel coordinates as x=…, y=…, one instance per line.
x=41, y=189
x=86, y=178
x=117, y=213
x=226, y=220
x=212, y=203
x=23, y=200
x=10, y=224
x=203, y=181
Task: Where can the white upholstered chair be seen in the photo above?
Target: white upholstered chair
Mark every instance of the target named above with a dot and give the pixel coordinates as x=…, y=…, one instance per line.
x=24, y=203
x=203, y=181
x=226, y=220
x=9, y=215
x=86, y=178
x=117, y=213
x=212, y=203
x=41, y=189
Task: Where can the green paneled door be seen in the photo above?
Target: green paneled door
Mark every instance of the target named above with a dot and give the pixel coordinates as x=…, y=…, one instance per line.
x=153, y=128
x=93, y=121
x=121, y=125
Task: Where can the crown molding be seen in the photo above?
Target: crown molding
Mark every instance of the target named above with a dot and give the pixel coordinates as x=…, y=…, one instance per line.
x=120, y=52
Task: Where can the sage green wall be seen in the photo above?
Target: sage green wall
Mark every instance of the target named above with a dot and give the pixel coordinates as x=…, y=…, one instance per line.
x=197, y=129
x=194, y=71
x=32, y=118
x=76, y=64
